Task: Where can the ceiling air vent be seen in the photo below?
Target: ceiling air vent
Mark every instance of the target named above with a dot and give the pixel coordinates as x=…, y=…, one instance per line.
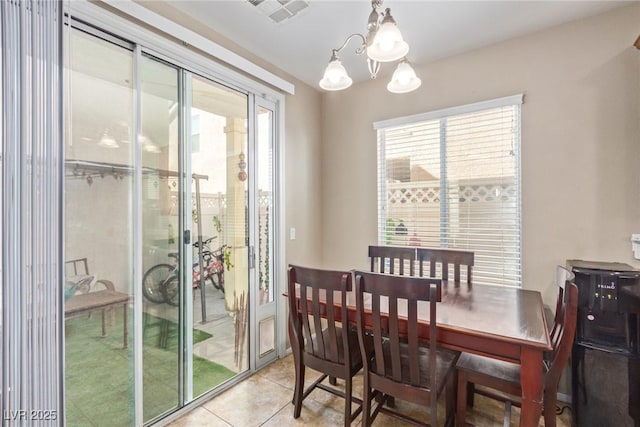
x=279, y=10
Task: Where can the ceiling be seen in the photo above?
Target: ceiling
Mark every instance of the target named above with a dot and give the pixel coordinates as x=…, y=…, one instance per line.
x=302, y=45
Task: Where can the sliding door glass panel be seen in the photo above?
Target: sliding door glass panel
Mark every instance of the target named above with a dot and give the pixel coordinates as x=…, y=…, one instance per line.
x=161, y=223
x=98, y=231
x=218, y=134
x=266, y=307
x=1, y=210
x=264, y=132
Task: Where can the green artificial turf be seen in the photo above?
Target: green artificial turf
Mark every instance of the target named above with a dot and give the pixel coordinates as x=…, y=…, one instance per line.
x=99, y=371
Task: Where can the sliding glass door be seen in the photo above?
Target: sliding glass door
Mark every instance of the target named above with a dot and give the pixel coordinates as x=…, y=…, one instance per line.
x=264, y=207
x=169, y=231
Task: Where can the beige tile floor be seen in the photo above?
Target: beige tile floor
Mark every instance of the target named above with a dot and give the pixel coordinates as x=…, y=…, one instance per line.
x=264, y=399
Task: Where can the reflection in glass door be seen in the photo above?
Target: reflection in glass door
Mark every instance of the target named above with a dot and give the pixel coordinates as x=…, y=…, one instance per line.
x=99, y=244
x=190, y=177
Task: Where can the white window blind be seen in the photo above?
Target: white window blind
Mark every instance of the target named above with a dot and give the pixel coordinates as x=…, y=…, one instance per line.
x=451, y=179
x=32, y=315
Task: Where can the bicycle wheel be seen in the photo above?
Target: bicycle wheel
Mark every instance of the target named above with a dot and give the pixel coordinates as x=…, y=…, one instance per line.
x=153, y=279
x=171, y=291
x=217, y=280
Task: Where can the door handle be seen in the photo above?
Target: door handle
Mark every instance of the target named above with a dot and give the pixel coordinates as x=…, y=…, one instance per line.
x=252, y=257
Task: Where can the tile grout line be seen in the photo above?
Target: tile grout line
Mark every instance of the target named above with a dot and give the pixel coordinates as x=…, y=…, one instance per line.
x=216, y=415
x=280, y=409
x=275, y=413
x=269, y=417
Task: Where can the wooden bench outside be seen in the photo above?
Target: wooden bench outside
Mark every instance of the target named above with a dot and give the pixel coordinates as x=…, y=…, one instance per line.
x=89, y=300
x=99, y=300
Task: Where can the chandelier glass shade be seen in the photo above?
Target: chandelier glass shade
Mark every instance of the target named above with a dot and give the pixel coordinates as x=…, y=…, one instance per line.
x=383, y=43
x=388, y=44
x=108, y=141
x=404, y=79
x=335, y=76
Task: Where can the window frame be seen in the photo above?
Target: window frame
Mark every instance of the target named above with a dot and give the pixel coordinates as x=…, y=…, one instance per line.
x=442, y=116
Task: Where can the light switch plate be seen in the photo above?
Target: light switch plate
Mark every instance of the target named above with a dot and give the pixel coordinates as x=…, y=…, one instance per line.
x=635, y=245
x=292, y=233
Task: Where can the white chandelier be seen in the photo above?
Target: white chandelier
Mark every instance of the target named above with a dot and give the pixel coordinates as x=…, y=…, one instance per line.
x=383, y=43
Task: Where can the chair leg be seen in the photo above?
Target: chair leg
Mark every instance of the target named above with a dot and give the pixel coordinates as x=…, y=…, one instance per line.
x=163, y=337
x=347, y=400
x=366, y=404
x=462, y=399
x=471, y=392
x=549, y=408
x=298, y=391
x=104, y=326
x=450, y=396
x=507, y=414
x=390, y=401
x=433, y=411
x=333, y=381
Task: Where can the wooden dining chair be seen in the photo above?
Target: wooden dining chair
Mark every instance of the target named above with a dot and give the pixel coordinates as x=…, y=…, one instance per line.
x=493, y=374
x=393, y=259
x=562, y=277
x=402, y=366
x=318, y=340
x=439, y=261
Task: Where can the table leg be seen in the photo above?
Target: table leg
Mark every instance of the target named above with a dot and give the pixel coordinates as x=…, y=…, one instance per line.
x=531, y=380
x=125, y=332
x=104, y=327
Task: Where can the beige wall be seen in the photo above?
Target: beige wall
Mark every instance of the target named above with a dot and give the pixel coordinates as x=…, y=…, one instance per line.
x=580, y=141
x=302, y=149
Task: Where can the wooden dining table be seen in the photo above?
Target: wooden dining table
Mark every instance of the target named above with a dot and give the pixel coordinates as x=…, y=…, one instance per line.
x=495, y=321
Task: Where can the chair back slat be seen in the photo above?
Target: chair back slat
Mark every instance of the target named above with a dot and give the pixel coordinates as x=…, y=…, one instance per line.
x=441, y=260
x=377, y=331
x=303, y=319
x=76, y=267
x=434, y=296
x=412, y=340
x=332, y=336
x=394, y=341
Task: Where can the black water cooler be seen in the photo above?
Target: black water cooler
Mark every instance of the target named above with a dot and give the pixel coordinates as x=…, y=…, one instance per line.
x=605, y=359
